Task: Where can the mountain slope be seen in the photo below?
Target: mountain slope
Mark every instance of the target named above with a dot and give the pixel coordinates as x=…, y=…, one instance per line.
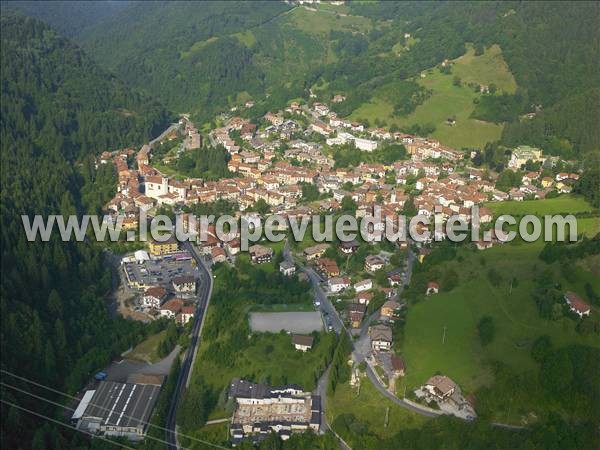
x=69, y=18
x=58, y=110
x=164, y=48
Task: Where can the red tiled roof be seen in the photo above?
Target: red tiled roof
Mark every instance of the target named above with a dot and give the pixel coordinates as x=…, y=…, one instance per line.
x=577, y=302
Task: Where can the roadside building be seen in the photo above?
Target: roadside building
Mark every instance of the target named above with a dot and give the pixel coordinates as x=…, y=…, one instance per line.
x=356, y=312
x=398, y=366
x=337, y=284
x=328, y=267
x=261, y=410
x=171, y=308
x=185, y=315
x=364, y=298
x=287, y=268
x=389, y=308
x=381, y=337
x=185, y=284
x=440, y=387
x=218, y=255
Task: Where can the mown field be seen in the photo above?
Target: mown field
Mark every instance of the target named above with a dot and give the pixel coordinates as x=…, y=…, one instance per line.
x=324, y=20
x=571, y=204
x=441, y=330
x=448, y=100
x=562, y=205
x=370, y=408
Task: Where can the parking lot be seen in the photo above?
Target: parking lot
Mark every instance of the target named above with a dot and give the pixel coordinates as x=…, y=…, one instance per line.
x=295, y=322
x=157, y=272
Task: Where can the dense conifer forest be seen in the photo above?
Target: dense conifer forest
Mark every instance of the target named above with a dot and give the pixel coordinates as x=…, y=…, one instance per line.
x=59, y=111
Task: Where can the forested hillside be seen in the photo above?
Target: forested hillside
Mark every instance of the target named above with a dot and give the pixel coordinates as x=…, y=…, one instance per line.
x=170, y=49
x=58, y=110
x=68, y=17
x=205, y=57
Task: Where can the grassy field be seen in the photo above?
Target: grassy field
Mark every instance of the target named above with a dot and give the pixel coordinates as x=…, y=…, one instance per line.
x=246, y=37
x=448, y=100
x=564, y=204
x=489, y=68
x=270, y=358
x=146, y=350
x=369, y=407
x=460, y=355
x=322, y=21
x=441, y=334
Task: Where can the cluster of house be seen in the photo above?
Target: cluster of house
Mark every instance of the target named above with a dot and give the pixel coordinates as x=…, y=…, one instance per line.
x=363, y=289
x=193, y=138
x=157, y=299
x=166, y=289
x=263, y=171
x=261, y=410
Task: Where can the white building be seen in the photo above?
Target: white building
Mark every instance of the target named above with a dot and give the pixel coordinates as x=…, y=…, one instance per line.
x=337, y=284
x=363, y=285
x=381, y=337
x=365, y=145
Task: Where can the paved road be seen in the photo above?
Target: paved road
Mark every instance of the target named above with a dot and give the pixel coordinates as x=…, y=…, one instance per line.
x=415, y=408
x=326, y=307
x=321, y=390
x=204, y=291
x=361, y=347
x=172, y=127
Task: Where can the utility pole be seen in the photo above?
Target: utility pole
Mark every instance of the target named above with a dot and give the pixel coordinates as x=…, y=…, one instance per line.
x=444, y=335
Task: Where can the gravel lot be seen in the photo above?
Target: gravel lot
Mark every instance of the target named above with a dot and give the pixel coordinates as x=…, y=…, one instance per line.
x=296, y=322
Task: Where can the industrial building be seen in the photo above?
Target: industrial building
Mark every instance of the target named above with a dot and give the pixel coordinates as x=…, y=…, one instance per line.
x=119, y=409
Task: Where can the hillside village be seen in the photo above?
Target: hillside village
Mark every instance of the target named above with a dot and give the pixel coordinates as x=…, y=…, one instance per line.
x=463, y=139
x=279, y=159
x=274, y=162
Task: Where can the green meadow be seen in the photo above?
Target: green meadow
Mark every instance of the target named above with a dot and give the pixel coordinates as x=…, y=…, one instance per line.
x=571, y=204
x=441, y=330
x=448, y=100
x=370, y=408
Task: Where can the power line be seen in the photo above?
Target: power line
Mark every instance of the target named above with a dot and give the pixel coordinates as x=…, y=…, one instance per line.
x=27, y=380
x=64, y=424
x=71, y=409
